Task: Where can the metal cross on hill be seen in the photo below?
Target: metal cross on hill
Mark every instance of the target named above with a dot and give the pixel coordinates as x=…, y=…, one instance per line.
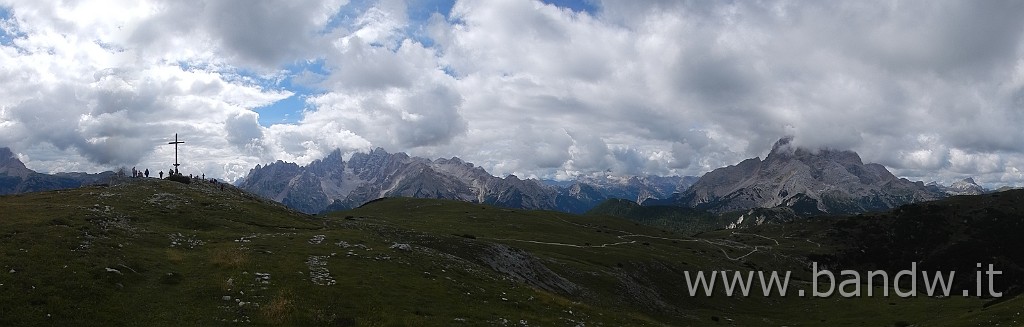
x=176, y=142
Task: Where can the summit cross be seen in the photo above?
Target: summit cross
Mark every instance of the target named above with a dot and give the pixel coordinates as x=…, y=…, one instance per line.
x=176, y=142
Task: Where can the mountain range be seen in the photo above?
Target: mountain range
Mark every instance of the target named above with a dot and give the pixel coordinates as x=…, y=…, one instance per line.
x=146, y=251
x=331, y=184
x=16, y=178
x=808, y=182
x=792, y=181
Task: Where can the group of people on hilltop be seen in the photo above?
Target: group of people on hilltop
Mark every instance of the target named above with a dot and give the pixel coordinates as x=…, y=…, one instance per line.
x=172, y=172
x=202, y=178
x=145, y=173
x=138, y=173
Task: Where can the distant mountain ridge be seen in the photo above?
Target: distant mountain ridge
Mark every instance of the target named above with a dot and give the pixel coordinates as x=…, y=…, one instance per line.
x=965, y=186
x=625, y=187
x=809, y=182
x=16, y=178
x=331, y=184
x=591, y=190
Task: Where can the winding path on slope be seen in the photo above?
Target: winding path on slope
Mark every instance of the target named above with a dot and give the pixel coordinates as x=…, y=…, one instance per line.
x=719, y=244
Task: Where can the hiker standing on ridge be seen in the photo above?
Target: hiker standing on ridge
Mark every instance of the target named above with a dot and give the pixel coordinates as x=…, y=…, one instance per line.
x=161, y=174
x=147, y=173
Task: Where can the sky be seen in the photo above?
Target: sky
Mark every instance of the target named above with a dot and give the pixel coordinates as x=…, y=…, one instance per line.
x=934, y=90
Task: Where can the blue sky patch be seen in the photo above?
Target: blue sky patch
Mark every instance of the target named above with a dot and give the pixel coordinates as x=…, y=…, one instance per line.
x=586, y=6
x=303, y=79
x=347, y=15
x=6, y=36
x=421, y=10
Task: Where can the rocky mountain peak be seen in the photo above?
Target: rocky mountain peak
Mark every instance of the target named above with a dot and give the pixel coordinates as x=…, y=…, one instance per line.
x=7, y=158
x=10, y=164
x=784, y=150
x=452, y=161
x=782, y=145
x=334, y=156
x=966, y=186
x=811, y=181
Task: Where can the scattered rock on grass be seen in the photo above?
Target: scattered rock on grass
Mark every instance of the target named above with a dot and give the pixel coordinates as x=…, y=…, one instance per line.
x=401, y=246
x=317, y=239
x=318, y=272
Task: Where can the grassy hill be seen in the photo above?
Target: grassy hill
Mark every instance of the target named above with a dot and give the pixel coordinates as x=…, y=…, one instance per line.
x=684, y=220
x=161, y=253
x=952, y=234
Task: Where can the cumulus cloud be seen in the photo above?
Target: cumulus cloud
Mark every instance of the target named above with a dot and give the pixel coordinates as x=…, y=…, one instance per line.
x=79, y=88
x=243, y=130
x=233, y=32
x=933, y=90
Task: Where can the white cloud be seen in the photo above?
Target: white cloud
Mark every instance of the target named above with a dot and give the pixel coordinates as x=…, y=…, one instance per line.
x=78, y=87
x=932, y=89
